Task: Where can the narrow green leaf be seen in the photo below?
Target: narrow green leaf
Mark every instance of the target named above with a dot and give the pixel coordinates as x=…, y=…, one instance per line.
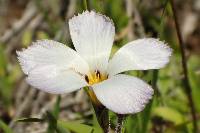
x=30, y=120
x=95, y=121
x=146, y=117
x=53, y=116
x=78, y=127
x=169, y=114
x=52, y=122
x=5, y=128
x=133, y=124
x=60, y=129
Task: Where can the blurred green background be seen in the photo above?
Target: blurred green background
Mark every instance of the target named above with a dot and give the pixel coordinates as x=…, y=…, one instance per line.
x=24, y=21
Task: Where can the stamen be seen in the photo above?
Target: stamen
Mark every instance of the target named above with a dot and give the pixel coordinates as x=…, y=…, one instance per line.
x=86, y=78
x=98, y=74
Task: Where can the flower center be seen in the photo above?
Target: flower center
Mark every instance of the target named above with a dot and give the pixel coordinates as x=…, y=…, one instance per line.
x=95, y=77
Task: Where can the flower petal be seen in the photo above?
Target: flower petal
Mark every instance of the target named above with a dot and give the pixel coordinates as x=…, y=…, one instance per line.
x=53, y=67
x=141, y=54
x=92, y=35
x=53, y=80
x=123, y=94
x=49, y=52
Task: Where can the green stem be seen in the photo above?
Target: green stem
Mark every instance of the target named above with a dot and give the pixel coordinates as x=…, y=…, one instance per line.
x=102, y=117
x=154, y=81
x=100, y=111
x=86, y=6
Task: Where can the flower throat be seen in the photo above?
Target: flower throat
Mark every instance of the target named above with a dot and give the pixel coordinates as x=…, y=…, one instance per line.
x=95, y=77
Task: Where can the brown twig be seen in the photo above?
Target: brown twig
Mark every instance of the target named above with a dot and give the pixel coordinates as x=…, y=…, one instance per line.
x=185, y=70
x=130, y=12
x=31, y=26
x=134, y=26
x=29, y=14
x=135, y=22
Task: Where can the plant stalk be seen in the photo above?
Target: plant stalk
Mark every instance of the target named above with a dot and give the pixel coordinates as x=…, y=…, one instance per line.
x=101, y=111
x=185, y=69
x=102, y=117
x=86, y=6
x=120, y=118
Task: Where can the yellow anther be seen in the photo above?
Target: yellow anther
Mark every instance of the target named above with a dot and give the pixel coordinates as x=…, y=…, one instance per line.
x=95, y=77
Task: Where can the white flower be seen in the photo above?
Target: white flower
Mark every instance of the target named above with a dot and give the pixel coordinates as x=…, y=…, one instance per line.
x=55, y=68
